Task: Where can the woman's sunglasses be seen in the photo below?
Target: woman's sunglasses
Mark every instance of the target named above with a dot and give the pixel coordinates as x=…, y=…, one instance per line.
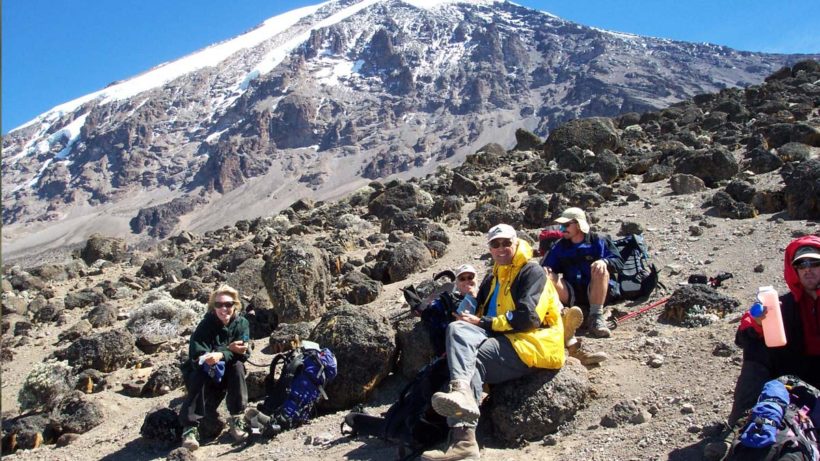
x=224, y=305
x=498, y=243
x=466, y=277
x=806, y=263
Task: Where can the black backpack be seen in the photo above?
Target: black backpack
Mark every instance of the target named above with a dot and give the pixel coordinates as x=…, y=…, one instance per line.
x=638, y=277
x=793, y=437
x=411, y=423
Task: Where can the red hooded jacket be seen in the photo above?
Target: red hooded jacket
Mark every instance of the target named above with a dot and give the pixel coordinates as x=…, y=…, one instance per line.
x=807, y=306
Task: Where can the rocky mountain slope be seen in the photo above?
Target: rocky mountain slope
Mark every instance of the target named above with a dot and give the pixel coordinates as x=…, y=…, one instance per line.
x=716, y=184
x=316, y=102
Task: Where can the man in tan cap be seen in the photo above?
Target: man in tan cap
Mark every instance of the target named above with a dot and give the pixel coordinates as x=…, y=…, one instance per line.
x=515, y=330
x=586, y=260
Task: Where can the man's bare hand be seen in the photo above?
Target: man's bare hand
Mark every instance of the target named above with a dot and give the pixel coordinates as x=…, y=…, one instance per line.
x=213, y=357
x=598, y=267
x=469, y=318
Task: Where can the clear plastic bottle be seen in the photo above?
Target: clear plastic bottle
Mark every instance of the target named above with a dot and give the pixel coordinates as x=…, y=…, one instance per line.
x=773, y=332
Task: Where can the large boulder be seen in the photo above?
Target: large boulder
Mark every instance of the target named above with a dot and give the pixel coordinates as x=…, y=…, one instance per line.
x=682, y=184
x=728, y=207
x=108, y=248
x=165, y=270
x=163, y=380
x=45, y=384
x=802, y=191
x=297, y=280
x=711, y=166
x=161, y=426
x=595, y=134
x=27, y=432
x=401, y=195
x=360, y=289
x=538, y=404
x=483, y=217
x=400, y=259
x=461, y=185
x=415, y=346
x=83, y=298
x=608, y=165
x=77, y=414
x=105, y=351
x=536, y=208
x=697, y=305
x=103, y=315
x=162, y=319
x=364, y=343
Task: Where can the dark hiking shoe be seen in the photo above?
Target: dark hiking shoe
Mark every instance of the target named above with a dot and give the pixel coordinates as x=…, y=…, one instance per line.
x=598, y=327
x=190, y=438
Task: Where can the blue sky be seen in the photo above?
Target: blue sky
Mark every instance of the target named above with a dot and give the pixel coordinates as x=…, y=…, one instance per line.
x=54, y=51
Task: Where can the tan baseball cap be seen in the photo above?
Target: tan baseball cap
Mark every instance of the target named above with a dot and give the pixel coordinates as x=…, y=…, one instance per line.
x=574, y=214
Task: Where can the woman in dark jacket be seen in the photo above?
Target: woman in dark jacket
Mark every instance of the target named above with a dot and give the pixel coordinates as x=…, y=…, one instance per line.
x=215, y=367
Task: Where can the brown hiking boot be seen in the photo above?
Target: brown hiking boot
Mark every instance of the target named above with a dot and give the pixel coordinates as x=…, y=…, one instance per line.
x=458, y=403
x=237, y=428
x=586, y=358
x=597, y=326
x=572, y=318
x=461, y=445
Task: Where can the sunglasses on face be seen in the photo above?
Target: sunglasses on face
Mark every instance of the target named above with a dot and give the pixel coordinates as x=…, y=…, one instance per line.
x=498, y=243
x=224, y=305
x=806, y=263
x=466, y=277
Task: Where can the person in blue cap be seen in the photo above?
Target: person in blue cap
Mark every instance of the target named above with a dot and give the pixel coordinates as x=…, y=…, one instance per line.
x=215, y=367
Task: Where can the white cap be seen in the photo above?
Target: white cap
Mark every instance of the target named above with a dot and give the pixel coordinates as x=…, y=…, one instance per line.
x=465, y=268
x=501, y=231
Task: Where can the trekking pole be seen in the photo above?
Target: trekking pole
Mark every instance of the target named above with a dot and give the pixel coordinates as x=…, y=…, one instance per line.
x=614, y=322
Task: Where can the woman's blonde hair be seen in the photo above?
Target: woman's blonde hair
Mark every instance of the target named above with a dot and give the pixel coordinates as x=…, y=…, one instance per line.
x=226, y=290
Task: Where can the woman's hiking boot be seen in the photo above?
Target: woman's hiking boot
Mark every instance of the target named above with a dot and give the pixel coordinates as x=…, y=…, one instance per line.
x=461, y=445
x=458, y=403
x=718, y=449
x=598, y=327
x=584, y=356
x=190, y=438
x=236, y=428
x=572, y=318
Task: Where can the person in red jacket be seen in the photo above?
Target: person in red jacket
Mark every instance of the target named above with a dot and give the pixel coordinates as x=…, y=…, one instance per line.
x=800, y=356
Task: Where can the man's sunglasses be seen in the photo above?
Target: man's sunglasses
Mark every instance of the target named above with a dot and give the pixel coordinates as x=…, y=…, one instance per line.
x=498, y=243
x=226, y=304
x=806, y=263
x=466, y=277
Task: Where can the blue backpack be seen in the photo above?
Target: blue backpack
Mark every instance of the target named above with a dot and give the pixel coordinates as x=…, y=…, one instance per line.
x=291, y=398
x=781, y=426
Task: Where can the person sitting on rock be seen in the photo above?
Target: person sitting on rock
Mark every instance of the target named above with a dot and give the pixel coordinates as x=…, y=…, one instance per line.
x=467, y=287
x=585, y=260
x=516, y=330
x=217, y=351
x=800, y=309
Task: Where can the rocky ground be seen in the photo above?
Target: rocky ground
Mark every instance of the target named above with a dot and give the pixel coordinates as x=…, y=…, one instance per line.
x=674, y=383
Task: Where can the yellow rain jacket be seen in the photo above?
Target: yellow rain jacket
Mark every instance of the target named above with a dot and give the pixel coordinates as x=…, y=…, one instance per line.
x=527, y=310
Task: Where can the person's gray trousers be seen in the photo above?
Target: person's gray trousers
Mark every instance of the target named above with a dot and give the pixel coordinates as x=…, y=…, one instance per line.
x=476, y=357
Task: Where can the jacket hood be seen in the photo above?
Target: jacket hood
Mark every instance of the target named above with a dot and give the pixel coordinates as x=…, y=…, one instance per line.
x=789, y=273
x=522, y=254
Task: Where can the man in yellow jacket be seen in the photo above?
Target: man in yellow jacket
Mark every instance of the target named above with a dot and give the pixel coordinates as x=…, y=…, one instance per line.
x=517, y=330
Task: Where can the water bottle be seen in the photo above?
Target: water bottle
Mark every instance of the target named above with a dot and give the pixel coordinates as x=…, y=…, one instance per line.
x=467, y=305
x=773, y=332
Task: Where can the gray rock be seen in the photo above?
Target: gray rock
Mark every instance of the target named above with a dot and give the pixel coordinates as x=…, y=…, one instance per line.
x=711, y=166
x=727, y=207
x=483, y=217
x=682, y=184
x=77, y=414
x=462, y=185
x=595, y=134
x=360, y=289
x=83, y=298
x=538, y=404
x=297, y=280
x=161, y=426
x=108, y=248
x=78, y=330
x=163, y=380
x=103, y=315
x=282, y=337
x=802, y=191
x=415, y=346
x=627, y=411
x=690, y=304
x=403, y=196
x=364, y=343
x=536, y=208
x=400, y=259
x=105, y=351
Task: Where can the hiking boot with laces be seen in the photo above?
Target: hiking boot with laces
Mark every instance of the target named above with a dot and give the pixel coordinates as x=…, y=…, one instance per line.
x=190, y=438
x=597, y=326
x=237, y=428
x=458, y=403
x=461, y=445
x=572, y=318
x=586, y=357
